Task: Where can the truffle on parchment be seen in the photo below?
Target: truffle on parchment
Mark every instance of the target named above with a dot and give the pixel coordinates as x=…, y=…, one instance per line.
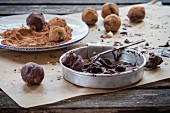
x=136, y=14
x=112, y=22
x=90, y=16
x=32, y=73
x=109, y=8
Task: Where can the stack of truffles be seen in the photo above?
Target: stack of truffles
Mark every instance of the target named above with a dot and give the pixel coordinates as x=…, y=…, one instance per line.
x=39, y=34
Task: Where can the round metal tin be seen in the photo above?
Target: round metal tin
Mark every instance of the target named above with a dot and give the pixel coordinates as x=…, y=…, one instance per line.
x=105, y=80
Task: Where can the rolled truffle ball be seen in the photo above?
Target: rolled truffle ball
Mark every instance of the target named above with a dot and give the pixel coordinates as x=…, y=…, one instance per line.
x=73, y=61
x=109, y=8
x=112, y=22
x=136, y=14
x=90, y=16
x=57, y=22
x=32, y=73
x=35, y=21
x=57, y=34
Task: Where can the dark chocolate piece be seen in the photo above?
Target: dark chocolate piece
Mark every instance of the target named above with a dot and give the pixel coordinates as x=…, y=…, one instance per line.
x=166, y=45
x=153, y=61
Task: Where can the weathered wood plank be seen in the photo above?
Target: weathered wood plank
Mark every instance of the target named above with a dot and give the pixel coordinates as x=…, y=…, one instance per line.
x=69, y=2
x=108, y=110
x=127, y=98
x=165, y=2
x=163, y=84
x=52, y=9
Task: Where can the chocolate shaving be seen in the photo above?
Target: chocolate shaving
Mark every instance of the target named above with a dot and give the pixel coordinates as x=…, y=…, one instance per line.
x=166, y=45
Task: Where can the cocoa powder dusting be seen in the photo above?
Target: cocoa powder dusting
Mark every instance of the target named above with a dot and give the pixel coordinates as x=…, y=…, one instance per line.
x=26, y=37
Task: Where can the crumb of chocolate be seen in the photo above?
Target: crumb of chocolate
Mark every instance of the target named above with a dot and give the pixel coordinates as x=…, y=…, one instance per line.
x=138, y=34
x=147, y=44
x=126, y=41
x=102, y=40
x=166, y=45
x=53, y=63
x=15, y=70
x=126, y=25
x=59, y=77
x=124, y=28
x=98, y=29
x=117, y=44
x=123, y=33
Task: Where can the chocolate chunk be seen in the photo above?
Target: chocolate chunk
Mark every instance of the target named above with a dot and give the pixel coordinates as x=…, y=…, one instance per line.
x=153, y=61
x=123, y=33
x=147, y=44
x=120, y=68
x=73, y=61
x=166, y=45
x=126, y=41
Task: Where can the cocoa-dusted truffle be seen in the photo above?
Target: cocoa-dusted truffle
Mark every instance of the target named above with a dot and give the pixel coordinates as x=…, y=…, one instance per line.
x=136, y=14
x=90, y=16
x=57, y=22
x=112, y=22
x=35, y=21
x=73, y=61
x=32, y=73
x=109, y=8
x=57, y=34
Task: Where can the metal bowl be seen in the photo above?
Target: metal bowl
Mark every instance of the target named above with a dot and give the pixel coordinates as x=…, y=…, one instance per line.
x=105, y=80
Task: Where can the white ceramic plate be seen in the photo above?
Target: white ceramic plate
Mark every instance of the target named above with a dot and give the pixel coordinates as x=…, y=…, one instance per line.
x=80, y=30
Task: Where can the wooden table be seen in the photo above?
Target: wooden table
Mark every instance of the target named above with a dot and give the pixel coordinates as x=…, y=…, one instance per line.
x=153, y=97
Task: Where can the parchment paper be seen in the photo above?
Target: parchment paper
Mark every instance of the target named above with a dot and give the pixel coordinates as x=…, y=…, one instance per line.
x=54, y=88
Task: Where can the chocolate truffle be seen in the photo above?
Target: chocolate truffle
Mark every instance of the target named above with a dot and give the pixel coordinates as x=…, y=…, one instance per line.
x=57, y=22
x=57, y=34
x=90, y=16
x=136, y=14
x=73, y=61
x=32, y=73
x=35, y=21
x=112, y=22
x=109, y=8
